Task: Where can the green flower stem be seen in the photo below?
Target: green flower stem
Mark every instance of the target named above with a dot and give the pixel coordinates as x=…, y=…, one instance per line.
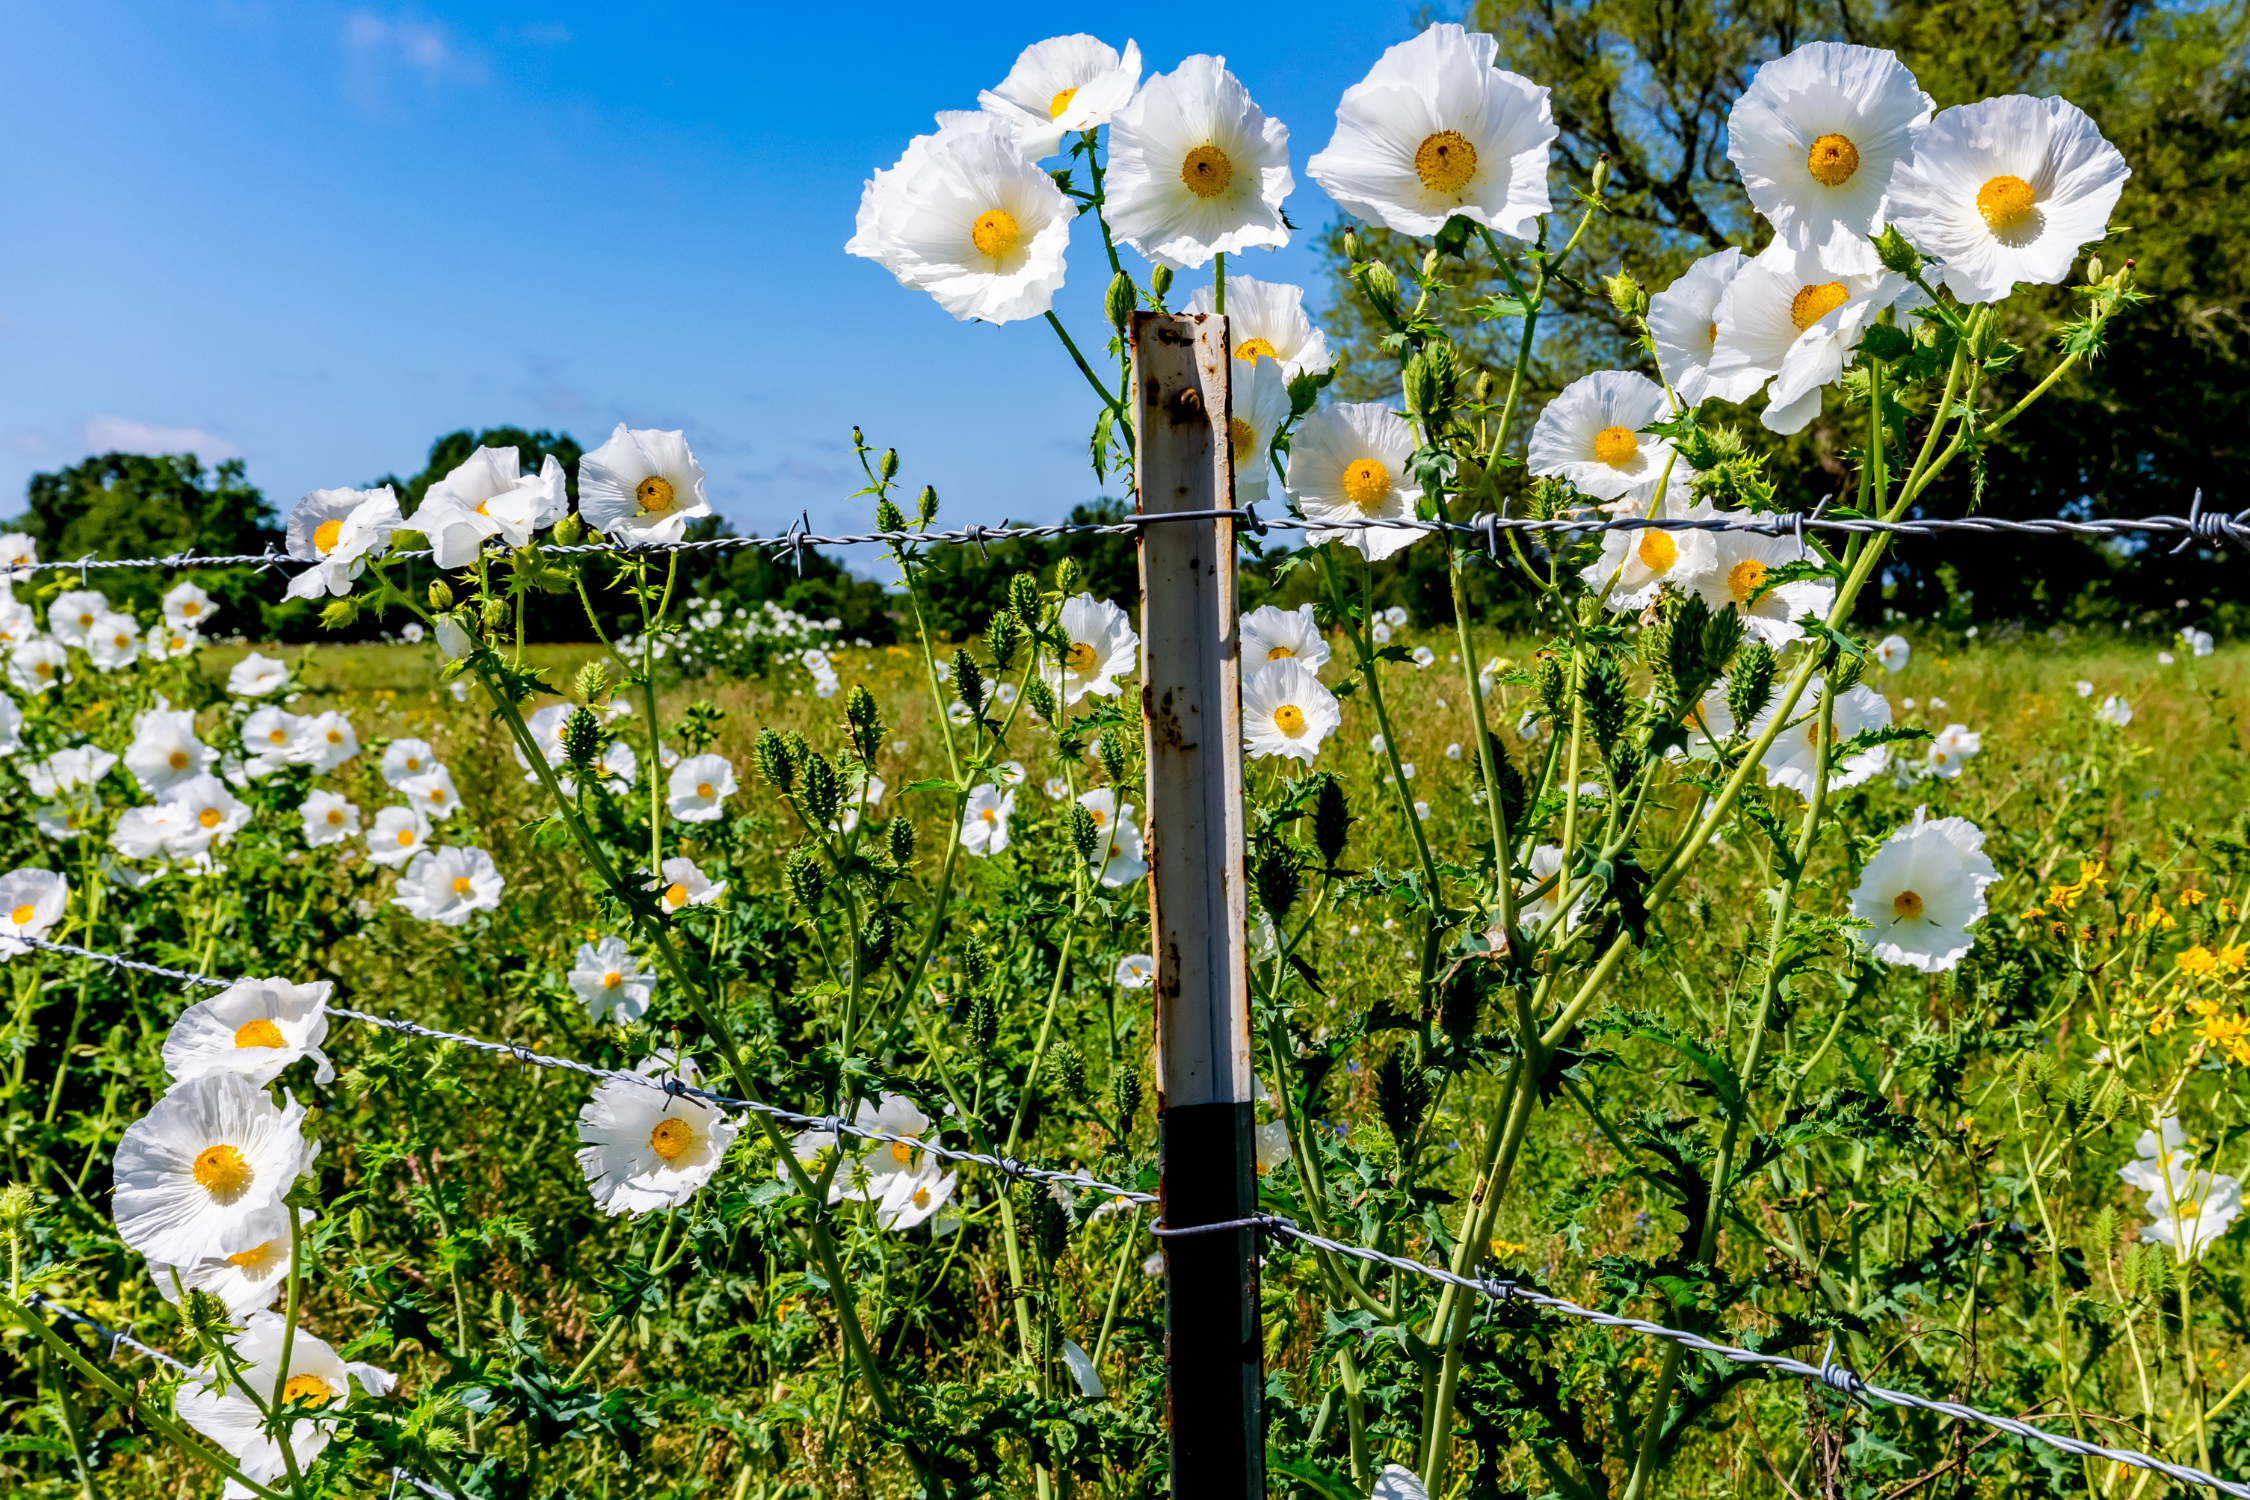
x=293, y=1305
x=617, y=1324
x=155, y=1421
x=1127, y=1242
x=1108, y=398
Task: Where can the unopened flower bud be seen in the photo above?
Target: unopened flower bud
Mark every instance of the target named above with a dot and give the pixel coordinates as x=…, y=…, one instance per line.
x=1601, y=173
x=863, y=723
x=1112, y=747
x=823, y=793
x=771, y=753
x=1085, y=835
x=441, y=597
x=591, y=684
x=1895, y=253
x=494, y=612
x=976, y=964
x=1381, y=288
x=888, y=517
x=1160, y=281
x=1041, y=699
x=582, y=739
x=1625, y=294
x=1124, y=1098
x=926, y=507
x=1003, y=637
x=983, y=1024
x=339, y=612
x=877, y=936
x=1351, y=245
x=1120, y=300
x=887, y=465
x=1750, y=684
x=968, y=681
x=1067, y=576
x=807, y=881
x=1431, y=374
x=570, y=530
x=1067, y=1066
x=1023, y=597
x=1332, y=820
x=898, y=840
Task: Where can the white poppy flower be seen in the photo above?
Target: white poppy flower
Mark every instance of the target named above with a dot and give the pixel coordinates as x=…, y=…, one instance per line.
x=1683, y=320
x=1007, y=773
x=1259, y=402
x=1196, y=169
x=31, y=903
x=1541, y=897
x=273, y=737
x=1787, y=318
x=38, y=665
x=911, y=1197
x=254, y=1029
x=17, y=623
x=1398, y=1482
x=165, y=750
x=246, y=1280
x=488, y=495
x=1789, y=760
x=2198, y=1209
x=449, y=885
x=1643, y=560
x=868, y=1175
x=1350, y=462
x=699, y=788
x=1103, y=646
x=864, y=791
x=1381, y=632
x=114, y=641
x=197, y=1175
x=681, y=884
x=620, y=766
x=984, y=820
x=646, y=1149
x=205, y=813
x=67, y=770
x=431, y=794
x=457, y=640
x=329, y=818
x=641, y=487
x=255, y=676
x=403, y=760
x=186, y=606
x=1118, y=855
x=1453, y=752
x=546, y=727
x=1286, y=711
x=1951, y=750
x=1423, y=657
x=62, y=822
x=337, y=531
x=17, y=549
x=72, y=613
x=2198, y=642
x=1135, y=971
x=1062, y=86
x=325, y=741
x=1267, y=319
x=11, y=726
x=604, y=977
x=1055, y=787
x=1590, y=434
x=1740, y=563
x=143, y=833
x=2115, y=711
x=2006, y=190
x=227, y=1415
x=1436, y=129
x=2083, y=688
x=1817, y=137
x=1270, y=633
x=1922, y=889
x=967, y=217
x=398, y=834
x=1892, y=651
x=170, y=643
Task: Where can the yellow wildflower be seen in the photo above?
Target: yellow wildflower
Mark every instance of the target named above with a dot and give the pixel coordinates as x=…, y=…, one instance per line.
x=2163, y=1021
x=2227, y=1032
x=2197, y=962
x=2191, y=898
x=2235, y=959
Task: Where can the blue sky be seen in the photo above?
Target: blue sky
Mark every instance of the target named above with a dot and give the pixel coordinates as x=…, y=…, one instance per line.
x=317, y=236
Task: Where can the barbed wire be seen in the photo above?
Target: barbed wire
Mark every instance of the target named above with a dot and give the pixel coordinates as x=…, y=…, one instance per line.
x=2197, y=525
x=1503, y=1289
x=113, y=1338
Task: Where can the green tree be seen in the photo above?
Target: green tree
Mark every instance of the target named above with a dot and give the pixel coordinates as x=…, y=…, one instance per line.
x=1648, y=83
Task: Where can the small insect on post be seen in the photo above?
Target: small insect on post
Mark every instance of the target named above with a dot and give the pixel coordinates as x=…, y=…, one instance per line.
x=1192, y=705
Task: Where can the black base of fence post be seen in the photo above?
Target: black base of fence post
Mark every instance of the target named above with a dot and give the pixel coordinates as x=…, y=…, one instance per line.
x=1214, y=1356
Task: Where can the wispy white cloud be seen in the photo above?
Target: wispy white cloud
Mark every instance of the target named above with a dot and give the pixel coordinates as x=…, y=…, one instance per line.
x=106, y=434
x=380, y=48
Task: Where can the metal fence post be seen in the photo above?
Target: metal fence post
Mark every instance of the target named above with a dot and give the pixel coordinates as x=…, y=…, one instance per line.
x=1214, y=1359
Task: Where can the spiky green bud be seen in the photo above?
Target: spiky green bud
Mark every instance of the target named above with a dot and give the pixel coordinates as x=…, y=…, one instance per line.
x=1625, y=295
x=1382, y=289
x=1895, y=253
x=1120, y=300
x=1124, y=1099
x=493, y=613
x=1550, y=684
x=1114, y=762
x=1609, y=699
x=1160, y=282
x=925, y=506
x=570, y=530
x=976, y=965
x=1066, y=1065
x=1040, y=698
x=1332, y=820
x=591, y=684
x=888, y=517
x=807, y=879
x=440, y=595
x=771, y=753
x=898, y=840
x=1084, y=834
x=1068, y=576
x=877, y=936
x=968, y=681
x=582, y=737
x=1003, y=637
x=982, y=1024
x=1750, y=684
x=1278, y=880
x=863, y=723
x=823, y=792
x=1432, y=372
x=887, y=465
x=1023, y=597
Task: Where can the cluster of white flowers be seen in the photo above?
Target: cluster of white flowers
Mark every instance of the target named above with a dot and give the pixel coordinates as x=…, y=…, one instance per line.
x=443, y=884
x=907, y=1185
x=1285, y=708
x=202, y=1182
x=2188, y=1207
x=745, y=641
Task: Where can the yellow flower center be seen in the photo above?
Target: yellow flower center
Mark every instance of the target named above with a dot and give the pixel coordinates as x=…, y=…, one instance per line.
x=190, y=607
x=675, y=895
x=1745, y=578
x=253, y=1258
x=85, y=620
x=1832, y=160
x=1906, y=906
x=336, y=817
x=1938, y=756
x=1242, y=441
x=23, y=914
x=612, y=980
x=1812, y=303
x=258, y=1033
x=460, y=885
x=121, y=640
x=307, y=1388
x=44, y=668
x=1080, y=657
x=1207, y=171
x=1616, y=446
x=221, y=1172
x=406, y=838
x=1657, y=551
x=2003, y=200
x=995, y=232
x=1059, y=103
x=921, y=1197
x=1278, y=653
x=1367, y=484
x=902, y=1153
x=177, y=760
x=279, y=737
x=413, y=764
x=324, y=536
x=989, y=815
x=1252, y=348
x=671, y=1136
x=437, y=794
x=1445, y=162
x=703, y=790
x=209, y=817
x=335, y=737
x=654, y=495
x=1289, y=719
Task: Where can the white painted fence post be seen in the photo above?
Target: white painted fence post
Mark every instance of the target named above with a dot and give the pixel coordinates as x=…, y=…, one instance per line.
x=1191, y=699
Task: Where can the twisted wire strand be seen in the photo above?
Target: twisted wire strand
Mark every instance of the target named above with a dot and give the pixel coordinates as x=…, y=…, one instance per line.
x=114, y=1338
x=2197, y=525
x=1836, y=1376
